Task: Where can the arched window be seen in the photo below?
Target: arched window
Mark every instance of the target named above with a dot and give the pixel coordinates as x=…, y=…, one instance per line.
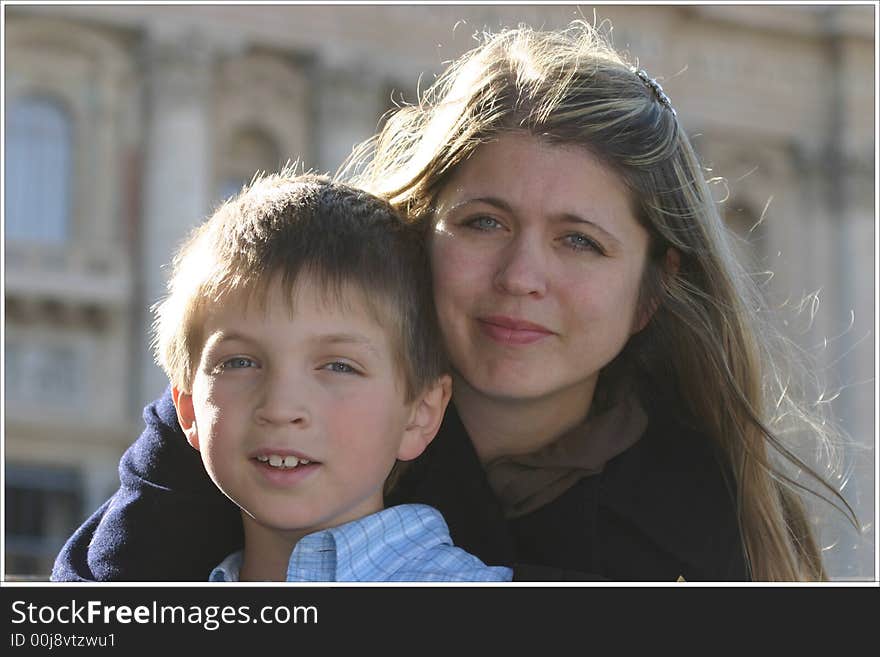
x=39, y=144
x=248, y=151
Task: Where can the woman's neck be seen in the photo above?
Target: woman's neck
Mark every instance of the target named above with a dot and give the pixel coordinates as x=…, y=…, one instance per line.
x=503, y=426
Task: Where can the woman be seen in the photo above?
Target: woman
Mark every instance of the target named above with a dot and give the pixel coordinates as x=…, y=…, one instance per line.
x=616, y=396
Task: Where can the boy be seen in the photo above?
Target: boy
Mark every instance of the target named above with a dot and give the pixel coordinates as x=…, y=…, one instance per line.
x=305, y=362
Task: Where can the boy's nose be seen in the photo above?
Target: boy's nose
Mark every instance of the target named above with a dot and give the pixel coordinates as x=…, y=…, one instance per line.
x=283, y=414
x=281, y=405
x=272, y=415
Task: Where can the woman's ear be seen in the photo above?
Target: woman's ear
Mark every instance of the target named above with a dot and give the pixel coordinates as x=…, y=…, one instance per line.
x=186, y=415
x=425, y=418
x=671, y=265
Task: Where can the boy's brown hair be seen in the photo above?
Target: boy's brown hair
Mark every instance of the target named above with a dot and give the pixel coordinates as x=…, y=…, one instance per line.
x=286, y=225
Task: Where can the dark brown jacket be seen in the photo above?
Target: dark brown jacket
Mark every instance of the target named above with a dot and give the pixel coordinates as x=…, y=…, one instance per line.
x=659, y=511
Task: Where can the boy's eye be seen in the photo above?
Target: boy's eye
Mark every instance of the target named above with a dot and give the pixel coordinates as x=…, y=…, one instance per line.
x=340, y=367
x=237, y=363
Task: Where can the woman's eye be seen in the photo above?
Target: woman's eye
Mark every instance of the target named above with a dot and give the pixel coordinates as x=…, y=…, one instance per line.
x=580, y=242
x=482, y=223
x=340, y=367
x=237, y=363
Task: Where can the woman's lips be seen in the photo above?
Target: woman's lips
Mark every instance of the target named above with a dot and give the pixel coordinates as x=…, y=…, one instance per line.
x=512, y=331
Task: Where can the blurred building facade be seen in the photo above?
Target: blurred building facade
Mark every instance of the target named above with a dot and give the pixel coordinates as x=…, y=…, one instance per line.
x=125, y=125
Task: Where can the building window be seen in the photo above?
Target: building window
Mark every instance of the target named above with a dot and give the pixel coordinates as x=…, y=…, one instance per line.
x=45, y=372
x=57, y=373
x=250, y=150
x=43, y=507
x=39, y=139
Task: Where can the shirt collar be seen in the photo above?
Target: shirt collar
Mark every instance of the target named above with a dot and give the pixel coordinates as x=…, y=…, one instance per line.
x=379, y=544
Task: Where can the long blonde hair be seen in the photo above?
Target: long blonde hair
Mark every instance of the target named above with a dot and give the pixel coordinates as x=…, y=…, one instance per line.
x=708, y=347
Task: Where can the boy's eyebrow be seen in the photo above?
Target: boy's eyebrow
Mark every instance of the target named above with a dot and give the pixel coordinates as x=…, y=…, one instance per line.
x=225, y=336
x=349, y=338
x=327, y=338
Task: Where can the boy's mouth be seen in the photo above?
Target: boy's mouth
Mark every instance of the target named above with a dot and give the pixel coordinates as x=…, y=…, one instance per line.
x=282, y=462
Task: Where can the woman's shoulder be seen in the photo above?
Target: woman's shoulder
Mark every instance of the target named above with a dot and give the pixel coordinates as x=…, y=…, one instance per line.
x=675, y=485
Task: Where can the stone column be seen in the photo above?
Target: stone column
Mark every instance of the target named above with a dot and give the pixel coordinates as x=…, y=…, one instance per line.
x=852, y=556
x=177, y=169
x=346, y=110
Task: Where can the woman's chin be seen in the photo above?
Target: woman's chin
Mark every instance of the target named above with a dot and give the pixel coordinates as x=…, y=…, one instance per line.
x=521, y=386
x=514, y=390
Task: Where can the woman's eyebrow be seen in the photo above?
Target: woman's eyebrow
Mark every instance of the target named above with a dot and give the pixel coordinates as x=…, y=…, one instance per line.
x=566, y=217
x=501, y=204
x=569, y=218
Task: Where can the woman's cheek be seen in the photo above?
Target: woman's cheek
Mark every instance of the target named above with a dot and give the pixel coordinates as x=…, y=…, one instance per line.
x=456, y=264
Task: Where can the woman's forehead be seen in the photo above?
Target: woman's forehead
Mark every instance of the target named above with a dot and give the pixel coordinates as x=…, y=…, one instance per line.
x=519, y=158
x=523, y=173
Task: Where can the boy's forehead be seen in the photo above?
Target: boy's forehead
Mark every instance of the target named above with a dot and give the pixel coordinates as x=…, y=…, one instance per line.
x=308, y=291
x=349, y=304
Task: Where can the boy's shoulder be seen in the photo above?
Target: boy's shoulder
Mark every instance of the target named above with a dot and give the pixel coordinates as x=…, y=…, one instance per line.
x=450, y=564
x=408, y=543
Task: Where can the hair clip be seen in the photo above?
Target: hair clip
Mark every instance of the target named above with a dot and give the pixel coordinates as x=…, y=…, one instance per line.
x=654, y=86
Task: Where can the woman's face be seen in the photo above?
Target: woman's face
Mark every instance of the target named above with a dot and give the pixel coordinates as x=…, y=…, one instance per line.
x=537, y=259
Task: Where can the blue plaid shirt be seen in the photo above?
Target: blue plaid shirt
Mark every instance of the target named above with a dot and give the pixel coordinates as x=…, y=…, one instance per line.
x=405, y=543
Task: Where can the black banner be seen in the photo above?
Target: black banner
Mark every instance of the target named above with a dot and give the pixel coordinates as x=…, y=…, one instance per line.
x=98, y=619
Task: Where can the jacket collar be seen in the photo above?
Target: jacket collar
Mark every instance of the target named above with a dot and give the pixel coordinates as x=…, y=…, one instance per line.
x=670, y=485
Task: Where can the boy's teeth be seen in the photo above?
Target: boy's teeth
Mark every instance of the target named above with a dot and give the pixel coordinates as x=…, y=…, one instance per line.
x=277, y=461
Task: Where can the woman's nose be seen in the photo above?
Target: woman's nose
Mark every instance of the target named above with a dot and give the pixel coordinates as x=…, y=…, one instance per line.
x=522, y=268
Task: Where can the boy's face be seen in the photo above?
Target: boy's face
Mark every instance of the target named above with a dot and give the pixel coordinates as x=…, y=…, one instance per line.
x=300, y=416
